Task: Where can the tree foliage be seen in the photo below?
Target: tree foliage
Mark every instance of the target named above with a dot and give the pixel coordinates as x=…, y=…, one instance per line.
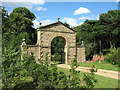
x=100, y=34
x=57, y=49
x=27, y=74
x=76, y=82
x=111, y=21
x=11, y=41
x=18, y=22
x=113, y=56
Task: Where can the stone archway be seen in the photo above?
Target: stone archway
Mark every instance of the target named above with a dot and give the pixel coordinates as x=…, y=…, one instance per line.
x=45, y=35
x=58, y=49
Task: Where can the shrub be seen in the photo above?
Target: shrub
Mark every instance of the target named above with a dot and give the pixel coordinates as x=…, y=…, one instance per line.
x=112, y=57
x=76, y=82
x=27, y=74
x=44, y=76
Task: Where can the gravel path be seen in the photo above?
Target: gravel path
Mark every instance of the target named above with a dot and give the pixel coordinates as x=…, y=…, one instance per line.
x=102, y=72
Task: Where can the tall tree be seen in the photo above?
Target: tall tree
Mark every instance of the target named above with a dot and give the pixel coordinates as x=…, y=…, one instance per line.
x=111, y=22
x=21, y=22
x=15, y=26
x=100, y=34
x=88, y=32
x=6, y=33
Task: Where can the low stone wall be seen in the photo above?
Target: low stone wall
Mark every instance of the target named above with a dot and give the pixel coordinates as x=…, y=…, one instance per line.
x=35, y=50
x=30, y=49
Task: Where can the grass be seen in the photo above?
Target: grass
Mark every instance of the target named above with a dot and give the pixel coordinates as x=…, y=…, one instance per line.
x=102, y=65
x=102, y=82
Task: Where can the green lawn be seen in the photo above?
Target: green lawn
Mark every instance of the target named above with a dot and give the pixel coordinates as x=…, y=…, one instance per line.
x=102, y=65
x=102, y=82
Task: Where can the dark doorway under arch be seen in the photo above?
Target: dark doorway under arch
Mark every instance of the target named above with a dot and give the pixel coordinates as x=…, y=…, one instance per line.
x=58, y=50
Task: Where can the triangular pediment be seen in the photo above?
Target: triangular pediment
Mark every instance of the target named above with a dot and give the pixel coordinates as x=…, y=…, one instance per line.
x=58, y=26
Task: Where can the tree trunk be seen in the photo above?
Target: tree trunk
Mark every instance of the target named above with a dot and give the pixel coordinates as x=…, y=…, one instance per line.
x=99, y=46
x=111, y=45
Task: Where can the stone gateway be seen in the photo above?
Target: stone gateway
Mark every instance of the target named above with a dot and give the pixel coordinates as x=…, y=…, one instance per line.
x=45, y=35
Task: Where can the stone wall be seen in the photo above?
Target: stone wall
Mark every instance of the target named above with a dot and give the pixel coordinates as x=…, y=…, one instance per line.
x=80, y=54
x=31, y=49
x=46, y=34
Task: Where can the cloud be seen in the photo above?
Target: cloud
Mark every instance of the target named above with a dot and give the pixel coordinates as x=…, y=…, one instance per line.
x=45, y=22
x=71, y=21
x=26, y=1
x=81, y=23
x=117, y=0
x=84, y=18
x=9, y=12
x=92, y=17
x=81, y=10
x=36, y=23
x=40, y=8
x=22, y=3
x=98, y=17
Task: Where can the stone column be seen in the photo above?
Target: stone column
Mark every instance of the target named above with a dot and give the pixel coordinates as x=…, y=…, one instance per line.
x=66, y=54
x=72, y=54
x=23, y=49
x=72, y=48
x=80, y=54
x=45, y=53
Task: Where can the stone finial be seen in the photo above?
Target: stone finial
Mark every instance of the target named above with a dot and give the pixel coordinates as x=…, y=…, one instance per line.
x=23, y=42
x=58, y=19
x=40, y=23
x=82, y=43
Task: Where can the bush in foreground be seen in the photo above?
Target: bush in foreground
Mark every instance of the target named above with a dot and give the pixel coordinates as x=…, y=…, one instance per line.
x=27, y=74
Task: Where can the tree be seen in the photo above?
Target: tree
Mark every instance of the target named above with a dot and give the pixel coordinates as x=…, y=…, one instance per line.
x=6, y=33
x=100, y=34
x=67, y=25
x=90, y=33
x=111, y=22
x=21, y=22
x=15, y=26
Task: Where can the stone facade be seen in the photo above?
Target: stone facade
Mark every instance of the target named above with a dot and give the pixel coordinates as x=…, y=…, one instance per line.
x=46, y=34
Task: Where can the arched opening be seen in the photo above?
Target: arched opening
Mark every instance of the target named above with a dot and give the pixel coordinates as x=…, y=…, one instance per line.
x=58, y=50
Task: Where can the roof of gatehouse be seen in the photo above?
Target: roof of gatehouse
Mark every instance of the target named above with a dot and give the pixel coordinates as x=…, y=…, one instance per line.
x=55, y=24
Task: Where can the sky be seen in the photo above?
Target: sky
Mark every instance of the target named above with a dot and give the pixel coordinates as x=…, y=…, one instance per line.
x=74, y=13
